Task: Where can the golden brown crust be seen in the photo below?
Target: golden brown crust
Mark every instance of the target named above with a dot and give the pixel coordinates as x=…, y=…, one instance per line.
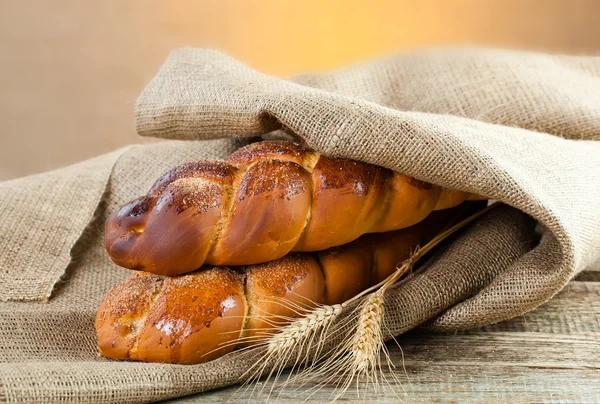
x=406, y=195
x=346, y=202
x=267, y=199
x=347, y=271
x=177, y=233
x=269, y=211
x=120, y=313
x=279, y=290
x=276, y=150
x=351, y=268
x=189, y=318
x=186, y=319
x=216, y=171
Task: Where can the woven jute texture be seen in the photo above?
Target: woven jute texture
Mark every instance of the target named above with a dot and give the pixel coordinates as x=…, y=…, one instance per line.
x=521, y=128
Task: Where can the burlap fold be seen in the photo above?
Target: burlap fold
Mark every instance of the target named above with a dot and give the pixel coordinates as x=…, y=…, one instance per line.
x=41, y=218
x=464, y=119
x=49, y=350
x=517, y=127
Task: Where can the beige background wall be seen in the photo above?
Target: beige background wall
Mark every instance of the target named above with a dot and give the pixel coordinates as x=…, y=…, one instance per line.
x=70, y=70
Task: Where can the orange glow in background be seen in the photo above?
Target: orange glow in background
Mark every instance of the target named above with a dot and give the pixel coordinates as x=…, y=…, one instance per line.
x=71, y=70
x=289, y=37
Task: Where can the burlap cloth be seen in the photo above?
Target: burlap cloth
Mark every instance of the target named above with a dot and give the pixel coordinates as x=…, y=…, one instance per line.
x=517, y=127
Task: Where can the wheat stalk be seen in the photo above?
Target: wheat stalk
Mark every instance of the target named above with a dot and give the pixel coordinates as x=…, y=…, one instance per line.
x=367, y=339
x=303, y=337
x=299, y=331
x=354, y=358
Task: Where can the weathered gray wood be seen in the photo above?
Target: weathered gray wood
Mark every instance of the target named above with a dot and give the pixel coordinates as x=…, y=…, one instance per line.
x=549, y=355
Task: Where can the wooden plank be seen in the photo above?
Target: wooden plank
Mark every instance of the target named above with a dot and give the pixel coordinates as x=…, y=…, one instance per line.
x=549, y=355
x=469, y=384
x=485, y=367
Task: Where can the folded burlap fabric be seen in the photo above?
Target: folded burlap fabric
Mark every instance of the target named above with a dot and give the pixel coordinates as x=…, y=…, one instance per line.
x=521, y=128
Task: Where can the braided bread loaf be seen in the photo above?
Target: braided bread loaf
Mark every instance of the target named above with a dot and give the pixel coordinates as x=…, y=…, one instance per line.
x=200, y=316
x=265, y=200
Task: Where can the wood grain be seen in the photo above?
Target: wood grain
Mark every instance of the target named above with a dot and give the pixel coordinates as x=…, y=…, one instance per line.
x=549, y=355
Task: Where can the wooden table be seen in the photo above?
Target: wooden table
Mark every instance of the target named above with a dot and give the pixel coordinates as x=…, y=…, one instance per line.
x=549, y=355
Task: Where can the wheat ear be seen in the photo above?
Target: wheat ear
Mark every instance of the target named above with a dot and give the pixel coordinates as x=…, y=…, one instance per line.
x=357, y=357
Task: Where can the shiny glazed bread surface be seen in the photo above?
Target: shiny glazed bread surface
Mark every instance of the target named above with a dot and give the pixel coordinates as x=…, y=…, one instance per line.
x=199, y=316
x=265, y=200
